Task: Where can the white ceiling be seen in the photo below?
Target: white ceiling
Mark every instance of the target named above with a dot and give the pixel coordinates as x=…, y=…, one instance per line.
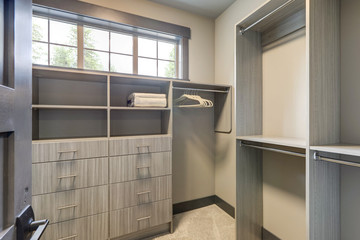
x=208, y=8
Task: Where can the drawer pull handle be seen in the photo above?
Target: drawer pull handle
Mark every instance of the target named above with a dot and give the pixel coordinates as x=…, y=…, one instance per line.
x=68, y=206
x=143, y=167
x=146, y=146
x=141, y=193
x=67, y=151
x=143, y=218
x=69, y=237
x=68, y=176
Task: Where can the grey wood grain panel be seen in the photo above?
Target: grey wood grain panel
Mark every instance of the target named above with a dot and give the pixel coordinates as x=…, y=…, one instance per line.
x=138, y=192
x=72, y=204
x=284, y=28
x=137, y=218
x=45, y=151
x=249, y=195
x=139, y=166
x=324, y=72
x=135, y=145
x=89, y=228
x=324, y=198
x=248, y=84
x=68, y=175
x=273, y=19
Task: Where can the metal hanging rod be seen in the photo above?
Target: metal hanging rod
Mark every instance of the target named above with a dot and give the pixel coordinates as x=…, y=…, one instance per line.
x=202, y=90
x=273, y=149
x=327, y=159
x=243, y=30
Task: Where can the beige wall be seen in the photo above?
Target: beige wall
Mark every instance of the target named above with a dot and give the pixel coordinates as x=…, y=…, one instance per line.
x=201, y=45
x=225, y=178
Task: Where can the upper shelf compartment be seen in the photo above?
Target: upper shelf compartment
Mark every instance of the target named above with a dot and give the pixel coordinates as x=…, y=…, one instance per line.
x=275, y=19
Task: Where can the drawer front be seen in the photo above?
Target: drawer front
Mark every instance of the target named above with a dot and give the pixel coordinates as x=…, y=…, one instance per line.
x=57, y=151
x=140, y=166
x=137, y=218
x=88, y=228
x=72, y=204
x=68, y=175
x=126, y=146
x=128, y=194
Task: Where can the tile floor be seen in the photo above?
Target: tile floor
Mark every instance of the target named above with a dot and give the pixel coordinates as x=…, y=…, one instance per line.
x=207, y=223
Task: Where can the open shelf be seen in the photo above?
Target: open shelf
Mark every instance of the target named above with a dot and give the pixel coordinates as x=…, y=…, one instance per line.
x=340, y=148
x=140, y=108
x=282, y=141
x=34, y=107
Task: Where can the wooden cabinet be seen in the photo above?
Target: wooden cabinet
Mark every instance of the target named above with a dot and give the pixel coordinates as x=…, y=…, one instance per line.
x=129, y=220
x=67, y=205
x=139, y=145
x=128, y=194
x=139, y=166
x=71, y=186
x=67, y=175
x=88, y=228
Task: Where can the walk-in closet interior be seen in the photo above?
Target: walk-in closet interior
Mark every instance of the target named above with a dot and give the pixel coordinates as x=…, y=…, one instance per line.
x=155, y=119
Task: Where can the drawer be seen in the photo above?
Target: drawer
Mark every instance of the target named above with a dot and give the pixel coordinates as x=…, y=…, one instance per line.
x=43, y=151
x=128, y=194
x=137, y=218
x=71, y=204
x=140, y=166
x=88, y=228
x=68, y=175
x=136, y=145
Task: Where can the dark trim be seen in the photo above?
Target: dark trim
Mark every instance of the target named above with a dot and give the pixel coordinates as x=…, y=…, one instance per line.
x=226, y=207
x=94, y=11
x=193, y=204
x=203, y=202
x=266, y=235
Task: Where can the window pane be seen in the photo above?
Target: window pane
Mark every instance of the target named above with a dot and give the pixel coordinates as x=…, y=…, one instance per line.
x=147, y=47
x=147, y=67
x=40, y=53
x=95, y=60
x=167, y=69
x=40, y=29
x=121, y=43
x=121, y=63
x=166, y=51
x=96, y=39
x=63, y=33
x=63, y=56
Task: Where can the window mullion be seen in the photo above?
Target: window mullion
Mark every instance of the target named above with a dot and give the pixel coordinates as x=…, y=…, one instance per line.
x=80, y=46
x=135, y=55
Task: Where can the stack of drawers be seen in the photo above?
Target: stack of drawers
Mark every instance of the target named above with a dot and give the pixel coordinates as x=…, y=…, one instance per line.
x=96, y=189
x=70, y=188
x=140, y=184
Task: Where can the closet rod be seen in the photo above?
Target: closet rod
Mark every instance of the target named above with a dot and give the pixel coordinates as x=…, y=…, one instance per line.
x=242, y=144
x=243, y=30
x=327, y=159
x=202, y=90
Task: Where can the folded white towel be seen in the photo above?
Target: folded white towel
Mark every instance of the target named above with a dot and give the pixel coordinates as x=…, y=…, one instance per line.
x=147, y=102
x=146, y=95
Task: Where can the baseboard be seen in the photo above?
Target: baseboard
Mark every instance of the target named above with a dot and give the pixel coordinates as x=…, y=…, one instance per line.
x=203, y=202
x=193, y=204
x=266, y=235
x=225, y=206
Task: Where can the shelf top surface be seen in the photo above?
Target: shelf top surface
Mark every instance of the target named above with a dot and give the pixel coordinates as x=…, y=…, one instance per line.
x=339, y=148
x=282, y=141
x=43, y=106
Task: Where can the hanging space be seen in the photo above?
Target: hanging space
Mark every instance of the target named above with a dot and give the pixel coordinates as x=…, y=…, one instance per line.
x=334, y=125
x=271, y=122
x=199, y=110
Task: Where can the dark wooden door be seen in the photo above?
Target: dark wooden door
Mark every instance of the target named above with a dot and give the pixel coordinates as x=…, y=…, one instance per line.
x=15, y=113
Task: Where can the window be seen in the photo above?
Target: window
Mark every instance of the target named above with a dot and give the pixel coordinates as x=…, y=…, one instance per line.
x=55, y=43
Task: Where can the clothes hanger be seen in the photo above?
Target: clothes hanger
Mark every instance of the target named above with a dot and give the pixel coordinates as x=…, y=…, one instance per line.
x=185, y=100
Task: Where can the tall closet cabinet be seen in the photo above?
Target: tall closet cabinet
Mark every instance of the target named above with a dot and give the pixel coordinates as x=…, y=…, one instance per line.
x=297, y=120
